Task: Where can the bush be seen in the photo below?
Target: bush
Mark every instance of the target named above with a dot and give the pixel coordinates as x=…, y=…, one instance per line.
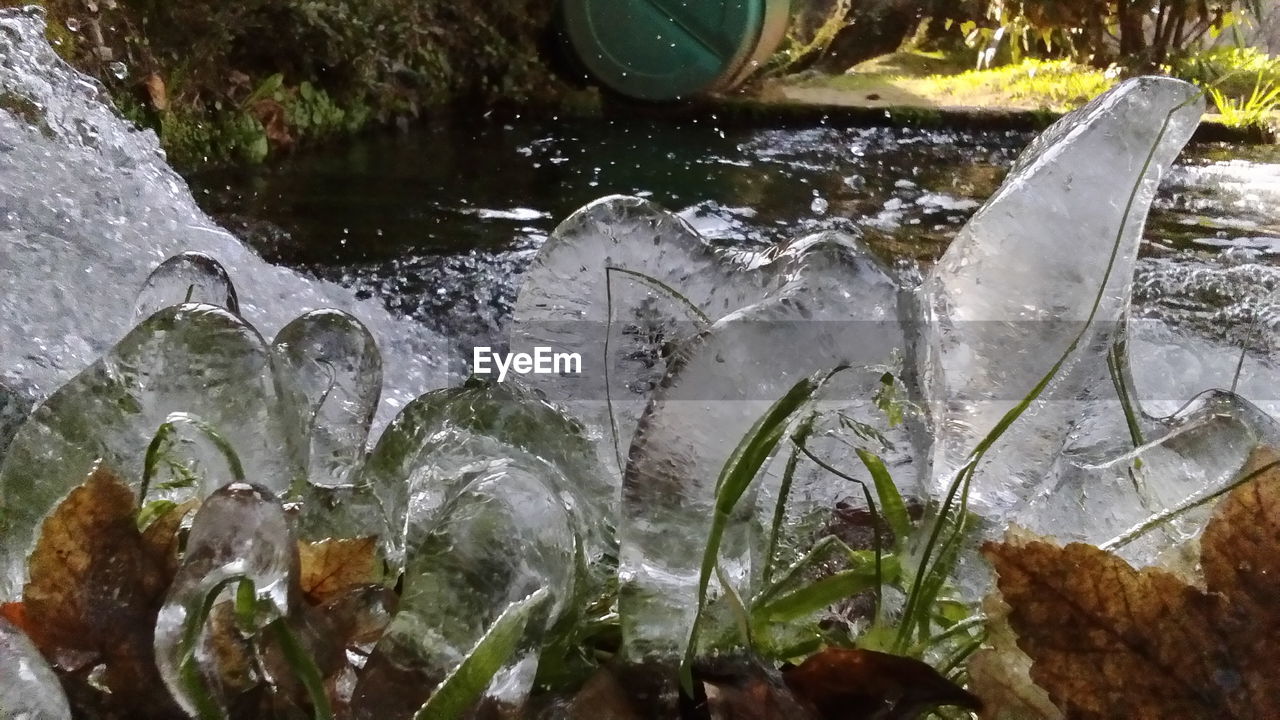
x=1233, y=71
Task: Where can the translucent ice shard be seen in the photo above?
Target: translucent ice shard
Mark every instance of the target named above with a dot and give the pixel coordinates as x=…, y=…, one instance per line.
x=195, y=359
x=28, y=688
x=239, y=539
x=185, y=278
x=838, y=307
x=1021, y=281
x=624, y=268
x=336, y=364
x=501, y=536
x=447, y=430
x=1104, y=490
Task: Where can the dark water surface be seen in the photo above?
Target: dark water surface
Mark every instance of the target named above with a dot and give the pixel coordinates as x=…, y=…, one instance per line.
x=440, y=221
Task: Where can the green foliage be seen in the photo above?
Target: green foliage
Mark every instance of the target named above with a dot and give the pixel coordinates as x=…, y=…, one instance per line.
x=1244, y=83
x=244, y=78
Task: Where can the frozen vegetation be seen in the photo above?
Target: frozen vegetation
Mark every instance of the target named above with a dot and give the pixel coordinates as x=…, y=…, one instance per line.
x=748, y=407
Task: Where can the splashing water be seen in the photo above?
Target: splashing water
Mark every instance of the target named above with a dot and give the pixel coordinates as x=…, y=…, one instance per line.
x=88, y=207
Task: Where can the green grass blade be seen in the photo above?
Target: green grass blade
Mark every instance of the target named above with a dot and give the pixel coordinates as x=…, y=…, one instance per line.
x=735, y=477
x=465, y=685
x=784, y=492
x=304, y=668
x=892, y=507
x=827, y=591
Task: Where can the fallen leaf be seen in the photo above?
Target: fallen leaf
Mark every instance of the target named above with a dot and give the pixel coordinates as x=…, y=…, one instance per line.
x=16, y=615
x=602, y=698
x=331, y=567
x=94, y=593
x=843, y=684
x=747, y=692
x=156, y=93
x=1108, y=641
x=162, y=537
x=1000, y=673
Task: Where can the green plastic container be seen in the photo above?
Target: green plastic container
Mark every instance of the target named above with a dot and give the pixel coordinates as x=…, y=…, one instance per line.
x=665, y=50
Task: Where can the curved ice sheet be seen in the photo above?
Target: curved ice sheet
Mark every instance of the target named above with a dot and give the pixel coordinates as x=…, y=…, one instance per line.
x=1020, y=282
x=838, y=306
x=623, y=274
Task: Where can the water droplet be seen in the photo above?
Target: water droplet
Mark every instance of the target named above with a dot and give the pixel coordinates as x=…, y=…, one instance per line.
x=819, y=205
x=119, y=70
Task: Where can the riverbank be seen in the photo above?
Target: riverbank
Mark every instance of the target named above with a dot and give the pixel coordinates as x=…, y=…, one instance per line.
x=918, y=89
x=238, y=82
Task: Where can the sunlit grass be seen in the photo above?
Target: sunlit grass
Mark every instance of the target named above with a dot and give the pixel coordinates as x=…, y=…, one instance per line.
x=1057, y=85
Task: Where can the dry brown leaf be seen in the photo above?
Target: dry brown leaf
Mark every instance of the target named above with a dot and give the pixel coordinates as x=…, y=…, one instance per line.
x=95, y=590
x=1111, y=642
x=331, y=567
x=154, y=85
x=845, y=684
x=162, y=538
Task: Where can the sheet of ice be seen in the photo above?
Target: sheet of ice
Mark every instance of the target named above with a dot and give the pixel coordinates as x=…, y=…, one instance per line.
x=195, y=359
x=665, y=279
x=838, y=306
x=1104, y=487
x=1020, y=282
x=90, y=207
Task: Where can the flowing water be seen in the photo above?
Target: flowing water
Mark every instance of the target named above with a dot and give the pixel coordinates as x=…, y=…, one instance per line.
x=439, y=222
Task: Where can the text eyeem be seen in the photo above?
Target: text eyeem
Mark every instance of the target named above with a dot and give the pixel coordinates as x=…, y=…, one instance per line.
x=542, y=361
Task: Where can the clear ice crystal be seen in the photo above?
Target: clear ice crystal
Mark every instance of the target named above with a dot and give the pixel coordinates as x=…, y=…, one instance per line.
x=502, y=534
x=194, y=359
x=447, y=430
x=1104, y=487
x=838, y=307
x=29, y=690
x=335, y=362
x=1018, y=284
x=185, y=278
x=239, y=534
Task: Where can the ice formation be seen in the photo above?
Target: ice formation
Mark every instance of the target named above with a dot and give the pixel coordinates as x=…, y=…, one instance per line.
x=186, y=278
x=838, y=307
x=440, y=439
x=605, y=279
x=195, y=359
x=239, y=536
x=28, y=688
x=1044, y=267
x=90, y=208
x=335, y=363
